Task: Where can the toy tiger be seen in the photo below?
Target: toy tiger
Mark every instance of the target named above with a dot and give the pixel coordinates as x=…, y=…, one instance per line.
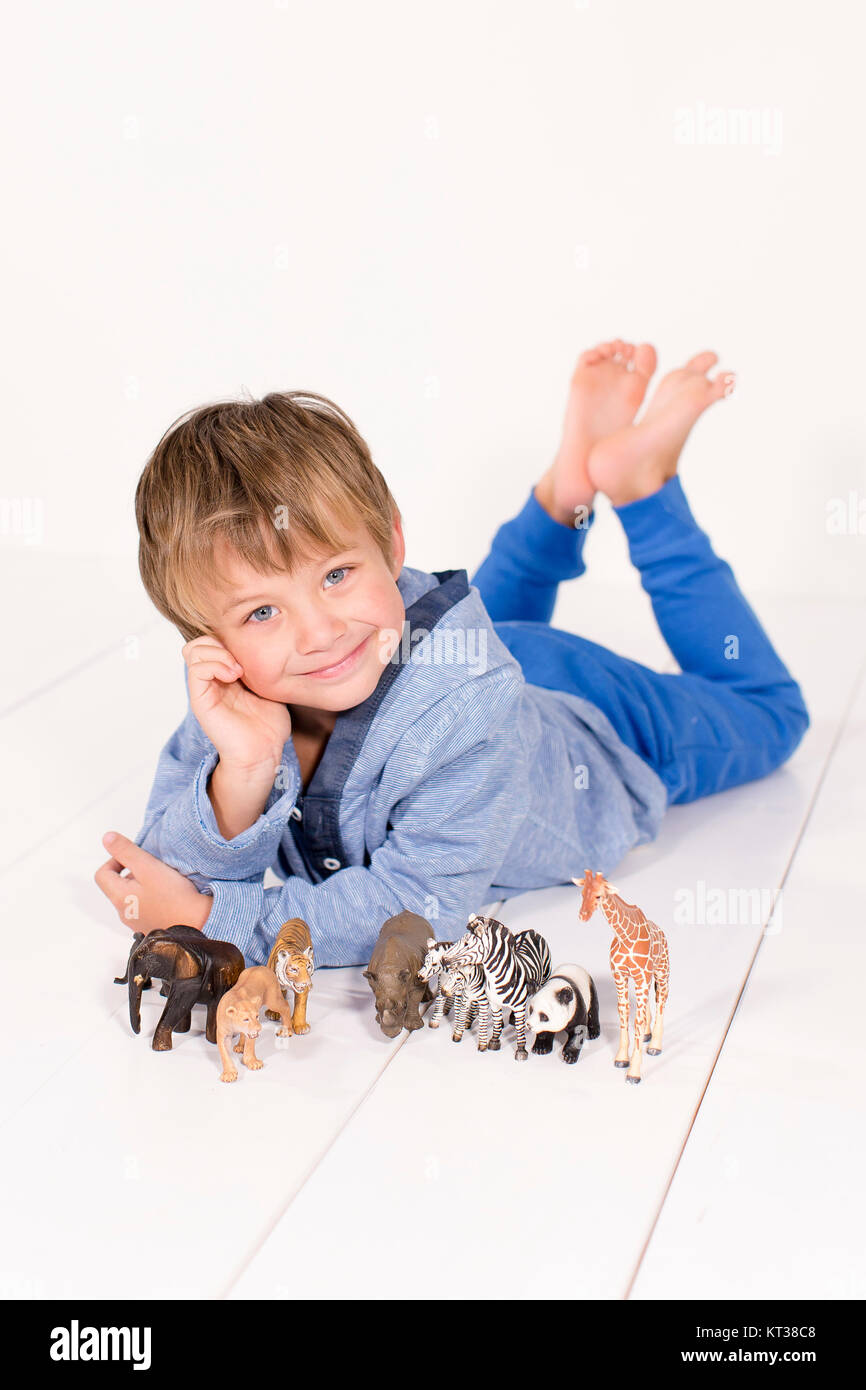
x=291, y=960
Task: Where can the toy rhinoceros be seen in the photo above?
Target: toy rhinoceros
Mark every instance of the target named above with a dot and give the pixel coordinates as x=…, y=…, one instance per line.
x=393, y=972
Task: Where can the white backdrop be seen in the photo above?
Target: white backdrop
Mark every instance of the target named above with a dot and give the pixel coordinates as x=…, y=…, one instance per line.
x=426, y=212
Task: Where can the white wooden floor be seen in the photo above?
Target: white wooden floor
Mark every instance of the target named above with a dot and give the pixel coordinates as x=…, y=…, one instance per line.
x=354, y=1166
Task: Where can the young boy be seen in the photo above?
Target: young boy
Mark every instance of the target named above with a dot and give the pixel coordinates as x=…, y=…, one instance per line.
x=384, y=738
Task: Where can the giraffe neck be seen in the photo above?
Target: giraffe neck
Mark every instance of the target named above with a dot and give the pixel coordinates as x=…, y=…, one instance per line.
x=624, y=929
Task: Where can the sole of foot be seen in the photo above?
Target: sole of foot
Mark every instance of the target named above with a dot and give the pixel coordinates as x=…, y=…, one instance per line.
x=606, y=391
x=635, y=461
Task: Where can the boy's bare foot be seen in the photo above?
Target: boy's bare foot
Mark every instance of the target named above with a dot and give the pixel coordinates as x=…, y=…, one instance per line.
x=636, y=460
x=607, y=387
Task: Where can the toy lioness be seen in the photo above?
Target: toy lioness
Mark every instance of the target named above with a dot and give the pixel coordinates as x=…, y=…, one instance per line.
x=238, y=1012
x=291, y=960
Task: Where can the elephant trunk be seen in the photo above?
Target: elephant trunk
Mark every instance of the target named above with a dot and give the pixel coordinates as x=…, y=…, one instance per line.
x=136, y=982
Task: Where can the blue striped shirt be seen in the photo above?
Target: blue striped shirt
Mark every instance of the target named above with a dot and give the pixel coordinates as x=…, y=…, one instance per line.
x=456, y=782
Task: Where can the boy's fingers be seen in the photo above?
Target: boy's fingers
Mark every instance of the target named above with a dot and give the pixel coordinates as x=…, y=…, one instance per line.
x=108, y=878
x=130, y=855
x=210, y=654
x=194, y=655
x=207, y=639
x=223, y=670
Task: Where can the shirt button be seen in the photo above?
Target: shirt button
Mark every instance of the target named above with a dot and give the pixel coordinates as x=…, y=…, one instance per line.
x=295, y=813
x=331, y=863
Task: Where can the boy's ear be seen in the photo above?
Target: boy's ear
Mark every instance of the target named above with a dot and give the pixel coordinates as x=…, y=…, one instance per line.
x=398, y=545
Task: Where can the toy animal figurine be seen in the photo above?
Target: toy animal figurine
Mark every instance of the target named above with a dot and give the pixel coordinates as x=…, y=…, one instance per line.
x=238, y=1012
x=196, y=969
x=393, y=973
x=514, y=967
x=638, y=952
x=291, y=960
x=433, y=969
x=466, y=984
x=567, y=1002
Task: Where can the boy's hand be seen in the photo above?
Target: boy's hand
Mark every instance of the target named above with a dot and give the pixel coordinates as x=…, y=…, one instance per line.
x=246, y=730
x=154, y=895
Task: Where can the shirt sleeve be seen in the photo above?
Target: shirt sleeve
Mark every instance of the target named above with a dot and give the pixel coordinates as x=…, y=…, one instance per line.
x=180, y=826
x=442, y=854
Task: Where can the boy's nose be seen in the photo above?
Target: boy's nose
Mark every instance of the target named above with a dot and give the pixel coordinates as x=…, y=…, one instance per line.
x=318, y=636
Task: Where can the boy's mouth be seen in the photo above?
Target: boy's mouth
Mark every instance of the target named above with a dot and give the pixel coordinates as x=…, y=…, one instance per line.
x=340, y=668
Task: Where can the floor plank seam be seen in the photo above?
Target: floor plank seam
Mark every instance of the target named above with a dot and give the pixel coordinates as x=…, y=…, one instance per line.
x=313, y=1167
x=325, y=1151
x=831, y=752
x=67, y=1061
x=76, y=815
x=72, y=671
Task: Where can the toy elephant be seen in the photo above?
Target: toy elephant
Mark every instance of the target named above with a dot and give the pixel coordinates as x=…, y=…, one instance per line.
x=393, y=972
x=196, y=969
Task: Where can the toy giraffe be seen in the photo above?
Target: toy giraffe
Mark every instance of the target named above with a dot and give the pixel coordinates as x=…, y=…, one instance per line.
x=638, y=952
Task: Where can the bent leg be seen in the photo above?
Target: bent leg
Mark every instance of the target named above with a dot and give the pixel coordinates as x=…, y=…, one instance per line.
x=733, y=713
x=701, y=611
x=529, y=557
x=747, y=711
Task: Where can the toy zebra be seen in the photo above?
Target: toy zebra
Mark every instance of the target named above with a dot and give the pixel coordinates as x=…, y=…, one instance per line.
x=468, y=984
x=433, y=969
x=535, y=952
x=514, y=967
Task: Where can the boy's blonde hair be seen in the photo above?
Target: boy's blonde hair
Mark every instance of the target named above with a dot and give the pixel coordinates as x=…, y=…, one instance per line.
x=277, y=478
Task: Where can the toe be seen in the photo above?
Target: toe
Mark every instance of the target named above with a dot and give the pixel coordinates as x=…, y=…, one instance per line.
x=722, y=384
x=589, y=358
x=701, y=362
x=645, y=359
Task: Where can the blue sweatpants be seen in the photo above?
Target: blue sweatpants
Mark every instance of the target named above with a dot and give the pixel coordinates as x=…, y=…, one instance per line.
x=733, y=713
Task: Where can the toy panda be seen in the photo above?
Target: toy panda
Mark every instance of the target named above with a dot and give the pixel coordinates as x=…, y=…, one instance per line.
x=566, y=1001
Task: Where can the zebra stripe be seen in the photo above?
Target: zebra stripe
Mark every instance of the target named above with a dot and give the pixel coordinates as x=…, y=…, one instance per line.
x=433, y=968
x=468, y=985
x=535, y=952
x=513, y=966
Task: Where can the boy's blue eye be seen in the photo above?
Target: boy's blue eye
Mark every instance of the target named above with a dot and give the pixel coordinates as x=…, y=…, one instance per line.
x=341, y=569
x=263, y=609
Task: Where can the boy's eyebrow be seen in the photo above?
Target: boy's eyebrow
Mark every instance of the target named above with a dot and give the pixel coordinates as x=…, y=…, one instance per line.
x=232, y=606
